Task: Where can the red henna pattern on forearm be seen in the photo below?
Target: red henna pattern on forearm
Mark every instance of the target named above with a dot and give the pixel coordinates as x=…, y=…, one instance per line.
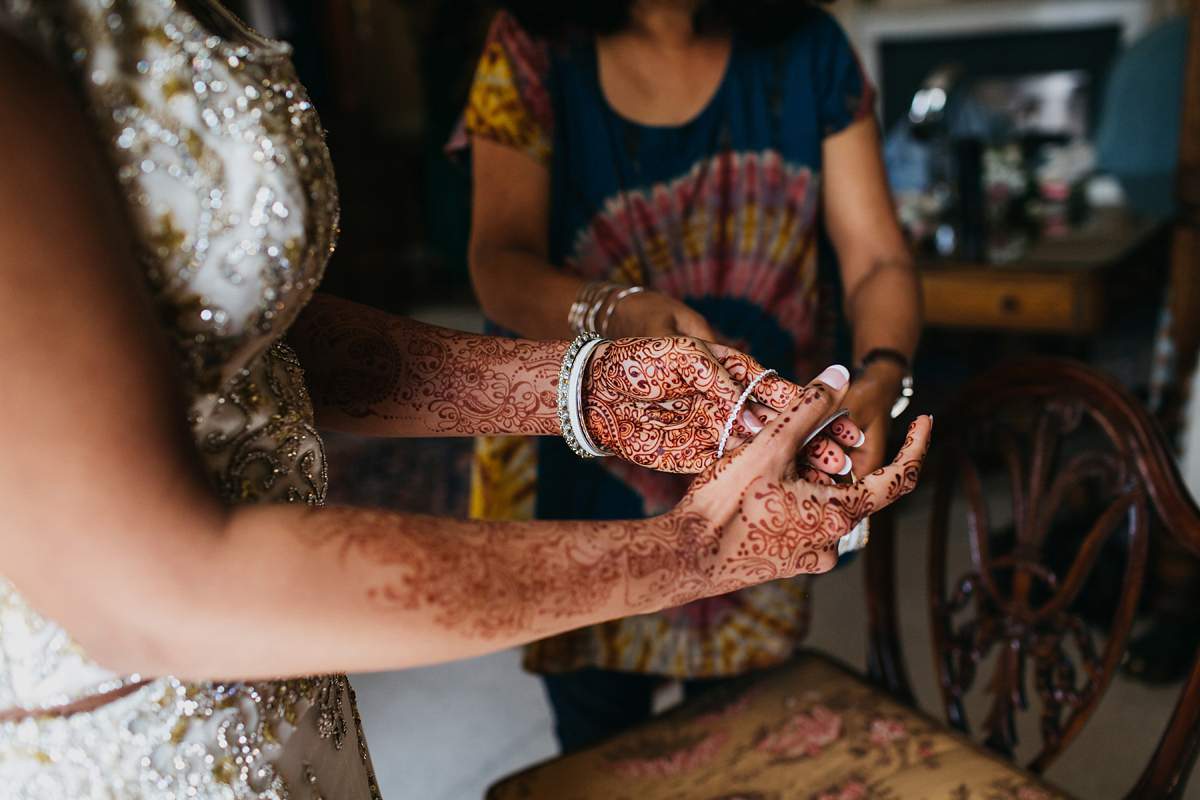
x=362, y=362
x=522, y=580
x=495, y=580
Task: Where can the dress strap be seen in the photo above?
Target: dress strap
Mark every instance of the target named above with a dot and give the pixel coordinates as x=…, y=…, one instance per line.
x=89, y=703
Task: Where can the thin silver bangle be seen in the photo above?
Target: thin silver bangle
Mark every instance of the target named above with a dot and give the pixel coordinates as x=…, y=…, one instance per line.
x=569, y=395
x=612, y=305
x=575, y=402
x=737, y=409
x=584, y=300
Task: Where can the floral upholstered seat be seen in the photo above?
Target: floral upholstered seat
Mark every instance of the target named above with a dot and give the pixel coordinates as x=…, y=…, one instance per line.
x=811, y=730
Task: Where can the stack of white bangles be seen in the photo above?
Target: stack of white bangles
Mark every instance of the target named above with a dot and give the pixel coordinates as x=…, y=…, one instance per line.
x=570, y=396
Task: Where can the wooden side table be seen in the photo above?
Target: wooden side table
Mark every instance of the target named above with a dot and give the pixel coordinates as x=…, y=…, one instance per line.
x=1064, y=285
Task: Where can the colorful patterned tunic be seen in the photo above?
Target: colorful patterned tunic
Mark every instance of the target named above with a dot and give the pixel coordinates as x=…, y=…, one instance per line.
x=721, y=213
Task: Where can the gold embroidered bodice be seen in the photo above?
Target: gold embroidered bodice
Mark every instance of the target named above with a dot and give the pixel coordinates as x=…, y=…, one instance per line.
x=222, y=163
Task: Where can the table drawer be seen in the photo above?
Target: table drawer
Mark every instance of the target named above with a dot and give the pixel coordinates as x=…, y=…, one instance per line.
x=983, y=299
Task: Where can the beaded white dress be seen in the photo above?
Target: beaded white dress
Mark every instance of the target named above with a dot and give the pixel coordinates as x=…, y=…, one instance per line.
x=222, y=161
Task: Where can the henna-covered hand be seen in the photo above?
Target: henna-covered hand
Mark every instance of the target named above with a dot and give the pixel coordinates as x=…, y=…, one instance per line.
x=748, y=519
x=773, y=523
x=663, y=403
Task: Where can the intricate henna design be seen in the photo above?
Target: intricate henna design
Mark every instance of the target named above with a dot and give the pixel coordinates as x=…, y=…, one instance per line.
x=364, y=363
x=740, y=524
x=508, y=579
x=660, y=403
x=784, y=524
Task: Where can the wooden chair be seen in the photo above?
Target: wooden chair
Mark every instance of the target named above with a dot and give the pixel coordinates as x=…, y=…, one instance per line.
x=1045, y=470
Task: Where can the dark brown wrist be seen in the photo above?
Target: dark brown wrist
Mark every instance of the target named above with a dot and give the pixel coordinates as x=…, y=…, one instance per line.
x=886, y=373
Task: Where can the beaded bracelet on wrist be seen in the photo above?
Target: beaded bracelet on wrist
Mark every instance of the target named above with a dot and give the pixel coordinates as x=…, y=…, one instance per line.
x=570, y=396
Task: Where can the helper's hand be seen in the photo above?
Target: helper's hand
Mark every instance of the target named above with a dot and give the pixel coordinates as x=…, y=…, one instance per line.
x=652, y=313
x=870, y=402
x=762, y=520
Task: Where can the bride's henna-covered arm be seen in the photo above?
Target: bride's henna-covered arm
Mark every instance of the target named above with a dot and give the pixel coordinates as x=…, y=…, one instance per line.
x=658, y=402
x=377, y=373
x=386, y=590
x=367, y=590
x=516, y=581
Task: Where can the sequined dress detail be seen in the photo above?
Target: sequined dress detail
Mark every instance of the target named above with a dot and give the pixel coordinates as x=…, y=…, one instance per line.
x=222, y=162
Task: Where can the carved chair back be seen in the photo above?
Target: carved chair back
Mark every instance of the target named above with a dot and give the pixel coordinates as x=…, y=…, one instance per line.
x=1051, y=574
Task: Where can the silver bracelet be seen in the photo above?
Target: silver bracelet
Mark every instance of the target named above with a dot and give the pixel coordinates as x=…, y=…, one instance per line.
x=570, y=396
x=612, y=304
x=593, y=298
x=585, y=298
x=575, y=407
x=737, y=409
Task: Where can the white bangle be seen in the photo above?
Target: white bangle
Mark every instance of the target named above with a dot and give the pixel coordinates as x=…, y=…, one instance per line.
x=575, y=407
x=737, y=409
x=570, y=396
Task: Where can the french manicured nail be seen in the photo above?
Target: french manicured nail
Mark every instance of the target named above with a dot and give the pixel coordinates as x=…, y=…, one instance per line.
x=862, y=437
x=835, y=377
x=752, y=422
x=845, y=470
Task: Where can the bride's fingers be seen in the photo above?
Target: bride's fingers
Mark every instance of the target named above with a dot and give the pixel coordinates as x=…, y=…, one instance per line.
x=723, y=391
x=756, y=415
x=813, y=475
x=846, y=433
x=776, y=392
x=887, y=484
